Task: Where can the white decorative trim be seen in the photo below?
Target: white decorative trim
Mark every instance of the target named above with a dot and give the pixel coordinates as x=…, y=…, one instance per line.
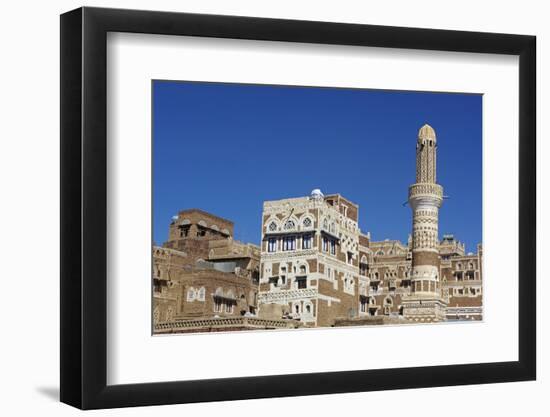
x=286, y=296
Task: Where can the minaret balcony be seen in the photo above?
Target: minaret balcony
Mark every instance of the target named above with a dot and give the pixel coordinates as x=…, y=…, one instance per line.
x=420, y=190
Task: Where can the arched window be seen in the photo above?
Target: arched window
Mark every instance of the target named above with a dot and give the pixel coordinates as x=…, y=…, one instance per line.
x=289, y=225
x=325, y=224
x=202, y=293
x=191, y=294
x=302, y=269
x=387, y=305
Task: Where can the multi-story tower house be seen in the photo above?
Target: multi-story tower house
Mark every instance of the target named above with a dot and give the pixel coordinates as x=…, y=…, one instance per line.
x=192, y=231
x=309, y=259
x=202, y=273
x=425, y=302
x=461, y=275
x=389, y=278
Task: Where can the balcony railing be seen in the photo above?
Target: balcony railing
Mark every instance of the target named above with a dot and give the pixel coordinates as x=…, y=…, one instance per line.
x=221, y=323
x=284, y=296
x=416, y=190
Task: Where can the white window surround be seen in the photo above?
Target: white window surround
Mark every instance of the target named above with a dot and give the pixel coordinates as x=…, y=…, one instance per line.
x=201, y=294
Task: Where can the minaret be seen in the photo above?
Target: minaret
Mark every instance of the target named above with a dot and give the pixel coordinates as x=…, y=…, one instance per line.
x=424, y=303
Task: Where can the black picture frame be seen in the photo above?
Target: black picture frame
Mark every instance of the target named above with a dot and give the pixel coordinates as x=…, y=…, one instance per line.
x=84, y=207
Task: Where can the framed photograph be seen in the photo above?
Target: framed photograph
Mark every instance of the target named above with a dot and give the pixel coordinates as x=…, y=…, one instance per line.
x=258, y=208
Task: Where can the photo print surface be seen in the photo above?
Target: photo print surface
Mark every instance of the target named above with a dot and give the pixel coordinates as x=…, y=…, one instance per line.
x=289, y=207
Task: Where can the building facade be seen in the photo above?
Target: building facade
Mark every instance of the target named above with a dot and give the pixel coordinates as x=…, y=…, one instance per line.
x=309, y=268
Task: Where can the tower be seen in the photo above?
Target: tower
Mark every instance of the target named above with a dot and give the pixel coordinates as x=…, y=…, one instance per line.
x=424, y=303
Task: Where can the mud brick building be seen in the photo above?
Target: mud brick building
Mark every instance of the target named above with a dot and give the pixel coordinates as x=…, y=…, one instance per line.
x=201, y=272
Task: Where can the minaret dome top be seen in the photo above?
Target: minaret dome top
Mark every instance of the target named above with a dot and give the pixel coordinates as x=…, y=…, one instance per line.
x=426, y=132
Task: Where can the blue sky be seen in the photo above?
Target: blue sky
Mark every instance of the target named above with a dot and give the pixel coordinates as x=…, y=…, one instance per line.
x=226, y=148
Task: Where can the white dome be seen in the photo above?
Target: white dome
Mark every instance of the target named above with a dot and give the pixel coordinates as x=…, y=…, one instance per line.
x=317, y=194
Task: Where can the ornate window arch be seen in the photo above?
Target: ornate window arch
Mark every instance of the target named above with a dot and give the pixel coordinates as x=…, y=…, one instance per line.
x=307, y=221
x=290, y=224
x=303, y=267
x=272, y=225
